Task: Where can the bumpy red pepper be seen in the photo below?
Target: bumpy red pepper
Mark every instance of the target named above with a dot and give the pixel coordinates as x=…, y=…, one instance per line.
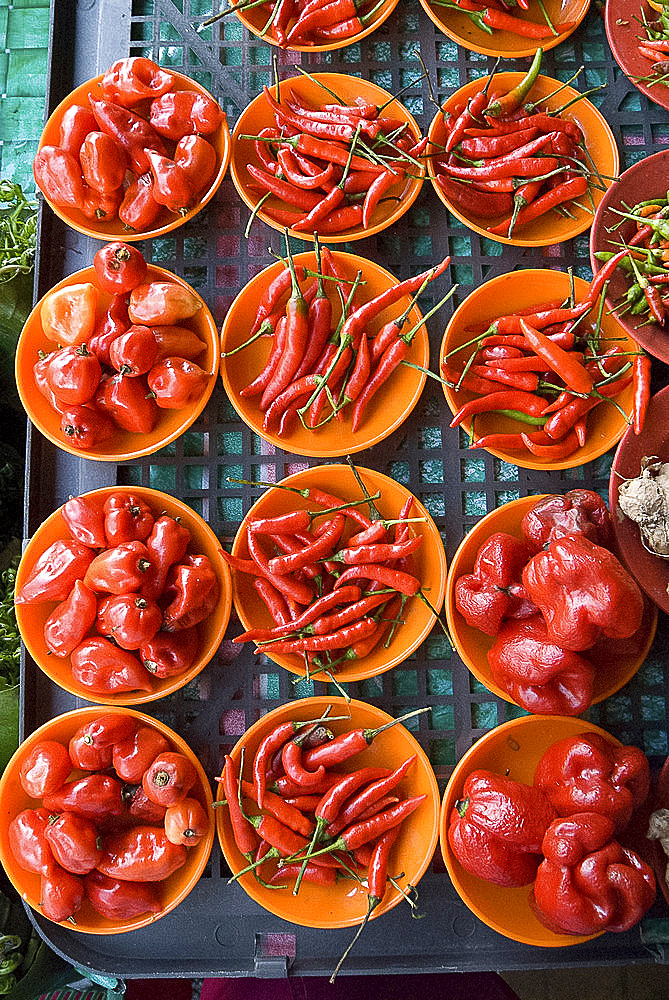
x=582, y=590
x=193, y=589
x=85, y=520
x=177, y=382
x=578, y=512
x=537, y=673
x=493, y=592
x=128, y=619
x=167, y=545
x=588, y=882
x=119, y=570
x=169, y=778
x=104, y=668
x=589, y=773
x=132, y=756
x=133, y=133
x=44, y=768
x=27, y=840
x=170, y=653
x=55, y=572
x=497, y=826
x=94, y=796
x=58, y=176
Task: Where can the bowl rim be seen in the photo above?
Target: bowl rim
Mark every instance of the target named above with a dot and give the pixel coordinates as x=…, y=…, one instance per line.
x=349, y=447
x=158, y=500
x=329, y=78
x=312, y=705
x=87, y=274
x=131, y=236
x=283, y=660
x=79, y=716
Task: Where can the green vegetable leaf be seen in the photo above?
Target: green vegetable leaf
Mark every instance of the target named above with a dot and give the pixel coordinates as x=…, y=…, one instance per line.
x=18, y=231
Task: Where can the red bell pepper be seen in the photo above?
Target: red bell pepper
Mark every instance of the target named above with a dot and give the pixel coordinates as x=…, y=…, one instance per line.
x=131, y=132
x=588, y=773
x=27, y=840
x=85, y=521
x=582, y=591
x=69, y=622
x=578, y=512
x=185, y=112
x=128, y=619
x=142, y=854
x=497, y=826
x=127, y=518
x=588, y=882
x=193, y=591
x=93, y=796
x=119, y=570
x=537, y=673
x=493, y=591
x=119, y=900
x=135, y=79
x=167, y=544
x=54, y=574
x=170, y=653
x=132, y=756
x=104, y=668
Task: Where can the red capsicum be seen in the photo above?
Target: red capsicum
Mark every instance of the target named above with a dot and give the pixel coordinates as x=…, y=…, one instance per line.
x=55, y=572
x=132, y=756
x=578, y=512
x=589, y=773
x=93, y=796
x=104, y=668
x=135, y=79
x=69, y=622
x=538, y=674
x=119, y=570
x=493, y=592
x=497, y=826
x=583, y=591
x=170, y=653
x=185, y=112
x=85, y=520
x=142, y=854
x=193, y=591
x=588, y=882
x=120, y=900
x=127, y=518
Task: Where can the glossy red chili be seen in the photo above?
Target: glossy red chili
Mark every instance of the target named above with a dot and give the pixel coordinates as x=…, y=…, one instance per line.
x=74, y=841
x=103, y=162
x=61, y=894
x=139, y=209
x=93, y=796
x=127, y=400
x=132, y=756
x=127, y=518
x=117, y=899
x=134, y=79
x=192, y=591
x=177, y=383
x=104, y=668
x=186, y=822
x=167, y=654
x=185, y=112
x=73, y=374
x=128, y=619
x=84, y=427
x=141, y=854
x=27, y=840
x=169, y=778
x=68, y=623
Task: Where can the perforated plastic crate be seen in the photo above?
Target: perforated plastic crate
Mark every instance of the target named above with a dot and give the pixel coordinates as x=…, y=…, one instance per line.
x=218, y=930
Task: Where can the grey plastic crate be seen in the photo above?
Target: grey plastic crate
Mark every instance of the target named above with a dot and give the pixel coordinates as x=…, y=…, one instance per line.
x=218, y=930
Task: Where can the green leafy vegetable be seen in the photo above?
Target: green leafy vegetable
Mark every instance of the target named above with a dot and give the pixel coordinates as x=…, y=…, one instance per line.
x=10, y=645
x=18, y=231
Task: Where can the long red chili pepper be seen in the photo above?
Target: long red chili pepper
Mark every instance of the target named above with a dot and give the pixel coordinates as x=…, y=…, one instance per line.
x=564, y=363
x=286, y=584
x=350, y=743
x=369, y=796
x=281, y=810
x=524, y=402
x=243, y=832
x=323, y=604
x=291, y=758
x=274, y=601
x=333, y=640
x=641, y=391
x=319, y=549
x=566, y=191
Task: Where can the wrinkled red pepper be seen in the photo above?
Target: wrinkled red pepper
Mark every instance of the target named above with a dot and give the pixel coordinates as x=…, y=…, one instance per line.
x=582, y=591
x=588, y=773
x=185, y=112
x=142, y=854
x=127, y=518
x=104, y=668
x=69, y=622
x=588, y=882
x=120, y=900
x=170, y=653
x=538, y=674
x=167, y=544
x=493, y=592
x=497, y=827
x=84, y=519
x=134, y=79
x=119, y=570
x=578, y=512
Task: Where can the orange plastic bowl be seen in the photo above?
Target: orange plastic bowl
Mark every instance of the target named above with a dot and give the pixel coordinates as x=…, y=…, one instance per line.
x=31, y=617
x=255, y=20
x=472, y=645
x=345, y=903
x=389, y=407
x=600, y=143
x=506, y=294
x=123, y=444
x=429, y=567
x=458, y=27
x=514, y=749
x=314, y=91
x=14, y=800
x=166, y=221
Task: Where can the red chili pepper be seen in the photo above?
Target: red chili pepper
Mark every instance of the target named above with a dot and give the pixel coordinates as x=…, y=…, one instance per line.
x=286, y=584
x=167, y=544
x=333, y=640
x=27, y=840
x=192, y=590
x=58, y=177
x=103, y=668
x=274, y=601
x=171, y=186
x=115, y=322
x=74, y=842
x=170, y=653
x=128, y=402
x=294, y=343
x=369, y=796
x=564, y=363
x=281, y=810
x=93, y=796
x=118, y=570
x=84, y=518
x=84, y=427
x=196, y=158
x=61, y=894
x=129, y=619
x=346, y=745
x=556, y=196
x=177, y=383
x=116, y=899
x=127, y=518
x=103, y=162
x=141, y=854
x=76, y=123
x=139, y=209
x=641, y=390
x=132, y=755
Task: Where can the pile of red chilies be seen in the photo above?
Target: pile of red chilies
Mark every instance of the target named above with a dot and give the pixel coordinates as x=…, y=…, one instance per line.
x=335, y=581
x=502, y=157
x=537, y=368
x=318, y=369
x=316, y=823
x=311, y=22
x=495, y=15
x=655, y=46
x=330, y=166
